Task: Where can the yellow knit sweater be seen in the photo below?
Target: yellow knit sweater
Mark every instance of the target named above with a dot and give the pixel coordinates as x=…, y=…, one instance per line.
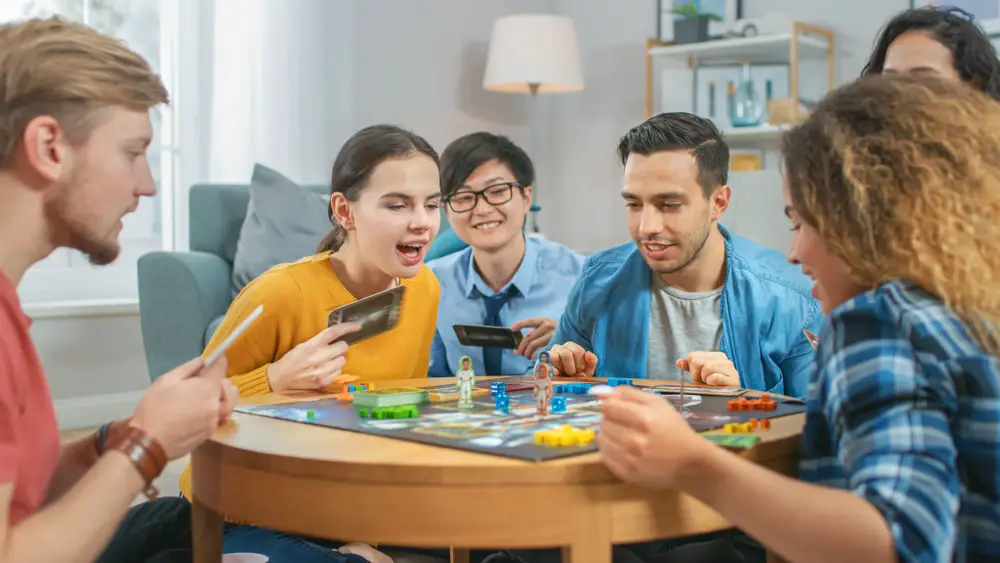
x=297, y=299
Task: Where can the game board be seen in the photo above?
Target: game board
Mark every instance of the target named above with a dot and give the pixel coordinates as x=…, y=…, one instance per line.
x=487, y=430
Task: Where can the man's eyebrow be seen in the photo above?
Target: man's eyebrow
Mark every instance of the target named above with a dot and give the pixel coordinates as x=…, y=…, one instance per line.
x=662, y=195
x=491, y=182
x=398, y=195
x=143, y=140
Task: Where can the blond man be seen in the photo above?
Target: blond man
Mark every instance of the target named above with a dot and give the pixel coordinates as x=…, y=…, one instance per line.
x=74, y=129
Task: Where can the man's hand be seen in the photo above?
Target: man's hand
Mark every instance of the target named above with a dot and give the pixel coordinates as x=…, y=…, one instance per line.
x=710, y=368
x=571, y=359
x=364, y=550
x=542, y=330
x=230, y=396
x=184, y=406
x=644, y=440
x=313, y=364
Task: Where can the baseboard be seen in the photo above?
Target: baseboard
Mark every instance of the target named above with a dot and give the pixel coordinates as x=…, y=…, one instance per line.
x=94, y=410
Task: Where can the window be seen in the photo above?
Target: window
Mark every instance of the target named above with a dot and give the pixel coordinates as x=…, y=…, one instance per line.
x=150, y=28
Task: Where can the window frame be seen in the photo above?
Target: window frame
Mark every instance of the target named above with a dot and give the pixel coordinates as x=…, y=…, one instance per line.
x=65, y=279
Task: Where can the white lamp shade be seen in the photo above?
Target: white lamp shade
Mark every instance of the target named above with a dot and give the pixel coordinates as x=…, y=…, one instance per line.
x=533, y=50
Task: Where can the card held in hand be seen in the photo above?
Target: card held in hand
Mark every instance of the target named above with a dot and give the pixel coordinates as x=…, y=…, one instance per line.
x=376, y=314
x=488, y=336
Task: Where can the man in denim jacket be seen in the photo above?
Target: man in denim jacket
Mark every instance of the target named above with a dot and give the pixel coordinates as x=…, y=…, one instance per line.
x=688, y=298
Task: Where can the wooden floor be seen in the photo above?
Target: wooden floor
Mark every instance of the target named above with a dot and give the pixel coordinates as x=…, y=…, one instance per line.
x=166, y=484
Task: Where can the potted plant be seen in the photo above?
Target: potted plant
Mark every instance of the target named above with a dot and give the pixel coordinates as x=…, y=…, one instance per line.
x=692, y=27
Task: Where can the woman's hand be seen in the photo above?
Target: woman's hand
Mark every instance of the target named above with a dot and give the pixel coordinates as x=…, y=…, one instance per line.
x=313, y=364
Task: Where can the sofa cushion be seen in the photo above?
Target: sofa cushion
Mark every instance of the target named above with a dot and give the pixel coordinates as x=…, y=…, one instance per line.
x=284, y=223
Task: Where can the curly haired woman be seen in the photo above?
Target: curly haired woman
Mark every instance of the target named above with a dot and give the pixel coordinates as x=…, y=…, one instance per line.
x=893, y=189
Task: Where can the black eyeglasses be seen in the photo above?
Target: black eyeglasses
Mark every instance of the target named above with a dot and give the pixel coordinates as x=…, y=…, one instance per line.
x=497, y=194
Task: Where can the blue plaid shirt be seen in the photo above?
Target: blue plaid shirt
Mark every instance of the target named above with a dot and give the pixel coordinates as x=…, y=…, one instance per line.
x=904, y=410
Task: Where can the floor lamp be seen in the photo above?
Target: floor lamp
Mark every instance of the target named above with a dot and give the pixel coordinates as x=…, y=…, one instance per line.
x=533, y=54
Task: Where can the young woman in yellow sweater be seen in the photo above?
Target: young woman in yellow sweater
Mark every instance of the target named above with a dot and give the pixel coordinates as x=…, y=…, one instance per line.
x=384, y=203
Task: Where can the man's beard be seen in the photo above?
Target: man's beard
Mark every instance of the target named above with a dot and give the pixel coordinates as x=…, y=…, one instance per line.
x=694, y=243
x=100, y=250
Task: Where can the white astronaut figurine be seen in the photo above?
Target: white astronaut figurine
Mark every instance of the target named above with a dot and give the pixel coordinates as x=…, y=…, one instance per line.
x=465, y=379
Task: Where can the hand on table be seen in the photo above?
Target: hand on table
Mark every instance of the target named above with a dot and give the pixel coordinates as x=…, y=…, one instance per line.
x=710, y=368
x=644, y=440
x=571, y=359
x=313, y=364
x=542, y=330
x=184, y=406
x=364, y=550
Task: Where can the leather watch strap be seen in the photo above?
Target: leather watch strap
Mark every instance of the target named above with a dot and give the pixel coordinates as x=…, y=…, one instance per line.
x=145, y=453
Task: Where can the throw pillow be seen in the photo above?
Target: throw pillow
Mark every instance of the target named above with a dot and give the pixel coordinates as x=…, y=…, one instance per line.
x=285, y=222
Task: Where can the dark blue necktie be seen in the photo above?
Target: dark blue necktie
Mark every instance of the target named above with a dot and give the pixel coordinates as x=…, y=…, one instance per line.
x=492, y=355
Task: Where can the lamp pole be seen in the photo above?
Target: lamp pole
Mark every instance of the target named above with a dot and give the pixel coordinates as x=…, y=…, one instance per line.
x=536, y=154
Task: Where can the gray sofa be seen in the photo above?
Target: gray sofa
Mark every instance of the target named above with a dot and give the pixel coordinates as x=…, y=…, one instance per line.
x=183, y=295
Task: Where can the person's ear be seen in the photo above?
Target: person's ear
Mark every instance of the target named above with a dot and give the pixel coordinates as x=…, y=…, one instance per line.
x=44, y=148
x=342, y=212
x=720, y=201
x=529, y=194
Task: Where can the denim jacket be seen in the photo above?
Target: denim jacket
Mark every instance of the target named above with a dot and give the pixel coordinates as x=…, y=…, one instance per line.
x=765, y=305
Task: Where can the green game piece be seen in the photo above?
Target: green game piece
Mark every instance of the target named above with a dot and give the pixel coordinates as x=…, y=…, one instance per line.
x=310, y=415
x=380, y=413
x=390, y=397
x=742, y=441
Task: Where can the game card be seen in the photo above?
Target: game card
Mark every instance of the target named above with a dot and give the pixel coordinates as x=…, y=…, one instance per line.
x=376, y=314
x=488, y=336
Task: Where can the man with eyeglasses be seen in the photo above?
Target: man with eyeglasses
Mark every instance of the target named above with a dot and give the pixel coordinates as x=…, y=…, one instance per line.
x=504, y=277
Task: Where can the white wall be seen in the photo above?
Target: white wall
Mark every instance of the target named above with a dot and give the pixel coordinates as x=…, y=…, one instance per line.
x=95, y=364
x=399, y=61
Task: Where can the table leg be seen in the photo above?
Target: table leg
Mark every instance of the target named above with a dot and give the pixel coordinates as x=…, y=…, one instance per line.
x=206, y=533
x=459, y=555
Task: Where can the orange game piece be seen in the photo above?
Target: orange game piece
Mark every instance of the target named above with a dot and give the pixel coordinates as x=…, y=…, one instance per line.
x=765, y=397
x=765, y=423
x=740, y=404
x=753, y=423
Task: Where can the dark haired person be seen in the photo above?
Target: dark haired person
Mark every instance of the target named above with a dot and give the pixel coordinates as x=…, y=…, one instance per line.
x=384, y=207
x=944, y=41
x=504, y=277
x=897, y=225
x=688, y=298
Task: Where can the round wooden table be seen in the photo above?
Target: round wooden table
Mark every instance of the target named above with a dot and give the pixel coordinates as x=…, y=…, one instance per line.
x=349, y=486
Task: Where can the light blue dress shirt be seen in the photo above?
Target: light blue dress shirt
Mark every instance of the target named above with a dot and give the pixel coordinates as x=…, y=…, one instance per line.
x=543, y=281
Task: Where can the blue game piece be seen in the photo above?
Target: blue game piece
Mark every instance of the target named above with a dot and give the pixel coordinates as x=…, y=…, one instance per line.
x=558, y=404
x=616, y=381
x=503, y=403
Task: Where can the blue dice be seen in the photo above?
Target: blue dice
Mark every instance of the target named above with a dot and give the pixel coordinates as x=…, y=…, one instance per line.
x=616, y=381
x=503, y=403
x=558, y=404
x=498, y=389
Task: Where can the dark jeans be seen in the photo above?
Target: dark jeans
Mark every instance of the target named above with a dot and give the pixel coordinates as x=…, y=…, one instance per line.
x=730, y=546
x=160, y=532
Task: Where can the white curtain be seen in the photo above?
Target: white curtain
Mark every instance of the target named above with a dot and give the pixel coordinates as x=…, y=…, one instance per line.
x=236, y=115
x=277, y=87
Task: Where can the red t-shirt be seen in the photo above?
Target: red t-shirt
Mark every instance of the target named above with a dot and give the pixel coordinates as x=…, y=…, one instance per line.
x=29, y=433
